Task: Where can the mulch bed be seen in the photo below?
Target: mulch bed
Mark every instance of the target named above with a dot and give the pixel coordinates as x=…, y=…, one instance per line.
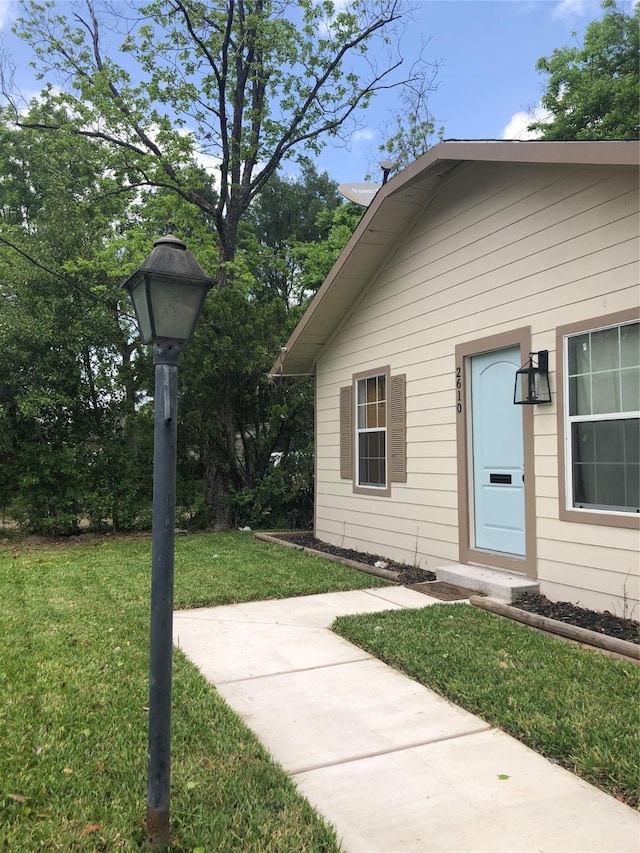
x=407, y=574
x=562, y=611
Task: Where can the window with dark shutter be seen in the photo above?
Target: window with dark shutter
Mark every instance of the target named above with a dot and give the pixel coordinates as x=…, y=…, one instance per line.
x=373, y=445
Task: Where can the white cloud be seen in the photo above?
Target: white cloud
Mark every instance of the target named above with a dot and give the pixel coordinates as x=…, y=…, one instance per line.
x=364, y=134
x=209, y=162
x=571, y=9
x=518, y=125
x=324, y=27
x=8, y=9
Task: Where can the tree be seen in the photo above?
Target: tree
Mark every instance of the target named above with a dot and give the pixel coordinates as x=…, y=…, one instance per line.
x=70, y=434
x=270, y=466
x=593, y=90
x=247, y=82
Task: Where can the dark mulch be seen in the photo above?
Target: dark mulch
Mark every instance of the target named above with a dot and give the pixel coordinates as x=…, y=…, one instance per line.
x=601, y=622
x=407, y=574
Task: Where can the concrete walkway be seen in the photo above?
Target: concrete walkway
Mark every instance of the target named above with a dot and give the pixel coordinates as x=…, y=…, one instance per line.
x=392, y=765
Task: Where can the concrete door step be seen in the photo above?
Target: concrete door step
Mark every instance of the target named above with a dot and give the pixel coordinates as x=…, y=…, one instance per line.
x=504, y=586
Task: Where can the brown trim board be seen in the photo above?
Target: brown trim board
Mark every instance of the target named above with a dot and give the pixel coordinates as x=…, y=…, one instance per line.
x=528, y=564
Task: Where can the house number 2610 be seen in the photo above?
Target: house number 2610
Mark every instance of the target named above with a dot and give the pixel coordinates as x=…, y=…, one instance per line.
x=459, y=390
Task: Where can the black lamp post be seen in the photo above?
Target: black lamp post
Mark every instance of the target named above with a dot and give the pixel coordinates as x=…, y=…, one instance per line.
x=168, y=292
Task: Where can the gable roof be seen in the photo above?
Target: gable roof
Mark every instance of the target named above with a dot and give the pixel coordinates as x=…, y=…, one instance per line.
x=394, y=210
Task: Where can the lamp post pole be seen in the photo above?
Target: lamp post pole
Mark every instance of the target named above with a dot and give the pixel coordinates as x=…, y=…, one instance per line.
x=165, y=360
x=168, y=292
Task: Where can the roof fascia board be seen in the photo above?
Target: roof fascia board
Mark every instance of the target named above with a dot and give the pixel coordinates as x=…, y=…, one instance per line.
x=368, y=217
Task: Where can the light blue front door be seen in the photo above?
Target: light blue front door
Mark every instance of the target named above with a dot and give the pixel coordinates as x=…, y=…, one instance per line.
x=498, y=487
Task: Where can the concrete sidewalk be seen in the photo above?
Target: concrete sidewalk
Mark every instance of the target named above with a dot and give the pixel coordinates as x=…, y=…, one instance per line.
x=392, y=765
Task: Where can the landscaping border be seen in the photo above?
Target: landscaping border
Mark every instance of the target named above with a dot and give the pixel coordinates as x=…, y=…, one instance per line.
x=280, y=539
x=602, y=642
x=612, y=646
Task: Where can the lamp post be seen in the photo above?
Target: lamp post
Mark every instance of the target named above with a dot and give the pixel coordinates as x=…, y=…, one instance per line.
x=168, y=292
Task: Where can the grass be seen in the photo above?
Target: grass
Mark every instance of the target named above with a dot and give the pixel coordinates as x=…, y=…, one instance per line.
x=74, y=678
x=576, y=707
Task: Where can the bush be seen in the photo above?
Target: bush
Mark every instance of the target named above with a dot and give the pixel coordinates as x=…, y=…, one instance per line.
x=283, y=498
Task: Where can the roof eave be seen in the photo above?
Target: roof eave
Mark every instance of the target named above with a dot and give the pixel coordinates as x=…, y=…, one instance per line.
x=298, y=359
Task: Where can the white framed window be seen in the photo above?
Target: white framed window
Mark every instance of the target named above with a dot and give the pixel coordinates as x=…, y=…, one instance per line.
x=371, y=432
x=602, y=414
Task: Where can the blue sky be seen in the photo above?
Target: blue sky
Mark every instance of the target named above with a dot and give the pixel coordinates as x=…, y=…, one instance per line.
x=487, y=84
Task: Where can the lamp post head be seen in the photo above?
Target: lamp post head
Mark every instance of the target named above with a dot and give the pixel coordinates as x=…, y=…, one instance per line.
x=168, y=291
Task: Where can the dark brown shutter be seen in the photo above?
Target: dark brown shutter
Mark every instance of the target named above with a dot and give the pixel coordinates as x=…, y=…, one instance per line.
x=398, y=430
x=346, y=432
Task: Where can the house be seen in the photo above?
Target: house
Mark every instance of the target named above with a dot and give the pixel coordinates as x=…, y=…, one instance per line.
x=471, y=259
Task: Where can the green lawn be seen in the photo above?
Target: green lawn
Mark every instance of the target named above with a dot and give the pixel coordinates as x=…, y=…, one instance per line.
x=74, y=622
x=576, y=707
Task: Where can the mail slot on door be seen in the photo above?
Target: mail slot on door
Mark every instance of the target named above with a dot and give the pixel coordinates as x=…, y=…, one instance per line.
x=500, y=479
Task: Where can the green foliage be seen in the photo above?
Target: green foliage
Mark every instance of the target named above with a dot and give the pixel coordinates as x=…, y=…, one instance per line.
x=544, y=692
x=252, y=85
x=282, y=499
x=412, y=132
x=251, y=419
x=69, y=390
x=593, y=90
x=315, y=258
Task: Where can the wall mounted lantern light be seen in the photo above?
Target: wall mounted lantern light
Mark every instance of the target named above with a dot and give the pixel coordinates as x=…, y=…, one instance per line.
x=532, y=380
x=168, y=292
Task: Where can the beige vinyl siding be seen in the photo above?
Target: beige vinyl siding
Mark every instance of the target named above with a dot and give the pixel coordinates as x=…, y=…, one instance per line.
x=502, y=247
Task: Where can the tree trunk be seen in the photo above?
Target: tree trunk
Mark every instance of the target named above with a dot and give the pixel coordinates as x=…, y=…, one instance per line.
x=220, y=463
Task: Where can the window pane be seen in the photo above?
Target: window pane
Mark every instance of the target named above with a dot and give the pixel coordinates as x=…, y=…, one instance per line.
x=362, y=391
x=630, y=380
x=633, y=487
x=371, y=390
x=584, y=484
x=580, y=395
x=632, y=440
x=605, y=464
x=630, y=345
x=610, y=489
x=371, y=459
x=609, y=441
x=579, y=355
x=605, y=353
x=584, y=449
x=376, y=444
x=606, y=392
